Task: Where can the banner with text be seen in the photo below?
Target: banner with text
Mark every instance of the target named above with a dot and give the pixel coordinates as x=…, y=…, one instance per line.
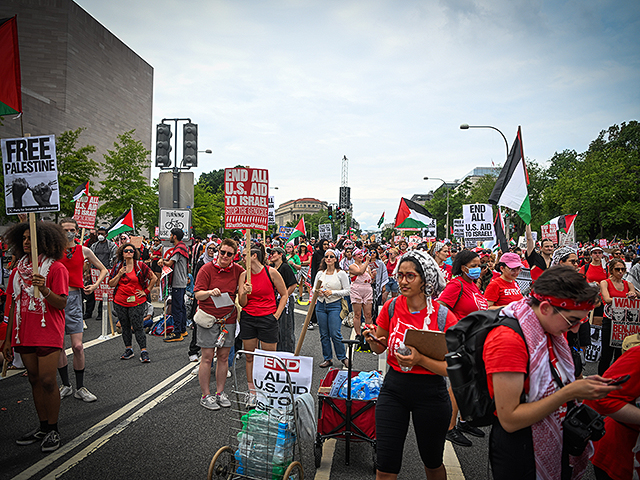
x=325, y=231
x=458, y=227
x=272, y=210
x=174, y=218
x=478, y=223
x=103, y=287
x=270, y=377
x=85, y=212
x=30, y=174
x=246, y=198
x=550, y=231
x=624, y=313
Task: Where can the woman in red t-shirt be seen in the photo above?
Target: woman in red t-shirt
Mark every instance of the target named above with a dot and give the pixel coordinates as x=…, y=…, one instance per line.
x=614, y=286
x=504, y=289
x=36, y=325
x=305, y=262
x=414, y=385
x=132, y=280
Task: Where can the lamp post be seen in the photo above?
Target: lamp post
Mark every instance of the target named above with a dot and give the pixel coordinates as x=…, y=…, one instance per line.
x=466, y=126
x=446, y=185
x=208, y=150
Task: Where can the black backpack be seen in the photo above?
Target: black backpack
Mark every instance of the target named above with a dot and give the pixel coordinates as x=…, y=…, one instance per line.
x=465, y=366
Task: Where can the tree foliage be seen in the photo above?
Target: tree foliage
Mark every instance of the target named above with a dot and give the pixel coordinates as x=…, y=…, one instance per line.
x=126, y=186
x=208, y=209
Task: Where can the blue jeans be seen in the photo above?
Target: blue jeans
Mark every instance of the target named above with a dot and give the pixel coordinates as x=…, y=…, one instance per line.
x=330, y=326
x=178, y=310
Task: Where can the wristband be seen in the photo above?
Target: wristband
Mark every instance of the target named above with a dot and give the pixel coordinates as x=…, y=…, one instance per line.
x=45, y=296
x=146, y=290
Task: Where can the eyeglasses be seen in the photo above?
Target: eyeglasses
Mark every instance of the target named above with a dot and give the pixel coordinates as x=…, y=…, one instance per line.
x=409, y=277
x=616, y=253
x=569, y=322
x=128, y=251
x=573, y=262
x=227, y=253
x=329, y=256
x=619, y=269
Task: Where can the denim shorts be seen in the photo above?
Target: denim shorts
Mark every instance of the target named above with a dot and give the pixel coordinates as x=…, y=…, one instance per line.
x=392, y=286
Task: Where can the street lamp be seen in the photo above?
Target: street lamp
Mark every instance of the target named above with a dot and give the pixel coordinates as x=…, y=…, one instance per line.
x=208, y=150
x=447, y=187
x=466, y=126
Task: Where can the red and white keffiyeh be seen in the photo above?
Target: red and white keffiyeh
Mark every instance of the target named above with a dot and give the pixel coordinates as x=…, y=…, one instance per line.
x=23, y=290
x=547, y=433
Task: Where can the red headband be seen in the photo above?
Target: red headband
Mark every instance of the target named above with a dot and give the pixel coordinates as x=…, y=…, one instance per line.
x=566, y=303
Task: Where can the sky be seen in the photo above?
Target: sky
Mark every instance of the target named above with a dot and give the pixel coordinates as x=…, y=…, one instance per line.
x=294, y=86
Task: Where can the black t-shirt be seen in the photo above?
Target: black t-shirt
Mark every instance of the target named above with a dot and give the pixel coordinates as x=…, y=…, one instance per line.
x=287, y=275
x=537, y=264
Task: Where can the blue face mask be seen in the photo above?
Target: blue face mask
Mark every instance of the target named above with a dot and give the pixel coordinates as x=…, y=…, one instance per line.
x=474, y=273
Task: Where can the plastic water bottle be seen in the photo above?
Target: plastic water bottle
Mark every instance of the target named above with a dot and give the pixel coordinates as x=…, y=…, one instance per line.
x=404, y=350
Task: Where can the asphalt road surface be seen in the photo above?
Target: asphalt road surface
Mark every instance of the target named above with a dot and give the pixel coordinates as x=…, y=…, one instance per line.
x=148, y=423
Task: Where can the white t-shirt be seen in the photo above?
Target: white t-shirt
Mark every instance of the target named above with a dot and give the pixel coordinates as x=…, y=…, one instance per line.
x=338, y=283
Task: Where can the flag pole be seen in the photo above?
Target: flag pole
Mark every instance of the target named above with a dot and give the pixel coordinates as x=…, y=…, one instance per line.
x=247, y=249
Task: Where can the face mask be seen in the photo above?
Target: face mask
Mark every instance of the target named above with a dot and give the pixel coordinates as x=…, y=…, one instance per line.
x=474, y=273
x=101, y=238
x=71, y=236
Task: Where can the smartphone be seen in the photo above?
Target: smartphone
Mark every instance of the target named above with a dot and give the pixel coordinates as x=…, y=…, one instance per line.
x=373, y=337
x=618, y=380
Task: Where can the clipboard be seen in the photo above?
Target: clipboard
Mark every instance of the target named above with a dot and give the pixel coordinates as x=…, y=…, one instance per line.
x=430, y=343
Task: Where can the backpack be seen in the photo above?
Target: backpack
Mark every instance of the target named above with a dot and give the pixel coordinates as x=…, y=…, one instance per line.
x=442, y=313
x=157, y=328
x=465, y=365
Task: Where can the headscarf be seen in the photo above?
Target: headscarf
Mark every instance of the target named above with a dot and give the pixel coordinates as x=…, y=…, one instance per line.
x=433, y=281
x=438, y=246
x=331, y=250
x=205, y=257
x=561, y=254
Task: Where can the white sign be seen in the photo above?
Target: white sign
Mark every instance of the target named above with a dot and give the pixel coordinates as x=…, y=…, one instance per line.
x=430, y=230
x=625, y=316
x=174, y=218
x=30, y=174
x=324, y=231
x=270, y=377
x=458, y=227
x=272, y=210
x=478, y=222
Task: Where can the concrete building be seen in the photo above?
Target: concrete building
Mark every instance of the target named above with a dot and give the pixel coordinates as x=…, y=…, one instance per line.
x=292, y=210
x=75, y=73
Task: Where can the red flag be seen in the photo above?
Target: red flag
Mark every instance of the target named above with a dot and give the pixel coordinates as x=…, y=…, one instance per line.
x=10, y=85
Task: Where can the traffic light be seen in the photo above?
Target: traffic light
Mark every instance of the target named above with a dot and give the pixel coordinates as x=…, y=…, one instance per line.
x=330, y=212
x=163, y=145
x=190, y=145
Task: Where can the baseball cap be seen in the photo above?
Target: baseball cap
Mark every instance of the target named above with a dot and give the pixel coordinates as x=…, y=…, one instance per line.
x=511, y=260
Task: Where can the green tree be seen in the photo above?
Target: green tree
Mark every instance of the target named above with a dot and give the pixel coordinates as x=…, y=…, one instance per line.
x=126, y=185
x=214, y=180
x=74, y=168
x=208, y=209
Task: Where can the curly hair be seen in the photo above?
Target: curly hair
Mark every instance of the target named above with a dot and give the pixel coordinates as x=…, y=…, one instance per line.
x=120, y=255
x=51, y=238
x=462, y=258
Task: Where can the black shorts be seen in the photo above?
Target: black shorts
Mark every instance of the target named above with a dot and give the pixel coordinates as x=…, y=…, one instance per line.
x=264, y=328
x=39, y=351
x=424, y=398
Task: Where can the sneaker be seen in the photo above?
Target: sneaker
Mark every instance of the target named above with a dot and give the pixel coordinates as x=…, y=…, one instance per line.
x=209, y=402
x=470, y=429
x=195, y=370
x=228, y=373
x=51, y=442
x=193, y=358
x=174, y=337
x=84, y=325
x=223, y=400
x=252, y=400
x=184, y=334
x=85, y=395
x=32, y=437
x=310, y=326
x=455, y=436
x=144, y=356
x=128, y=353
x=65, y=390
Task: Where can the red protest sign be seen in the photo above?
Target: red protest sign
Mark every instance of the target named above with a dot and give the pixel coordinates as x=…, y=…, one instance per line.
x=85, y=213
x=550, y=231
x=246, y=198
x=103, y=287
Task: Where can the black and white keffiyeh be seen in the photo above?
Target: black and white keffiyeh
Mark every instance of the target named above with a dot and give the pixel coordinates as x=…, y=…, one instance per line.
x=561, y=254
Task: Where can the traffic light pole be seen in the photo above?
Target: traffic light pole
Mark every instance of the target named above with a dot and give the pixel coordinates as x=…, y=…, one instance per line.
x=176, y=167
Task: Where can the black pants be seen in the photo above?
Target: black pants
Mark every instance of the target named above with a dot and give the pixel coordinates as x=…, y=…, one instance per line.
x=608, y=352
x=511, y=454
x=193, y=346
x=132, y=317
x=425, y=399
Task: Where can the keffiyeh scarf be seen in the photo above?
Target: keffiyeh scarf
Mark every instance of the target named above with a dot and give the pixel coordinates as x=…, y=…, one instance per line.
x=561, y=254
x=23, y=290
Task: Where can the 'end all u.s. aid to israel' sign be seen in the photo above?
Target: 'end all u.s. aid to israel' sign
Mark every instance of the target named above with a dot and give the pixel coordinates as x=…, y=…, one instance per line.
x=246, y=198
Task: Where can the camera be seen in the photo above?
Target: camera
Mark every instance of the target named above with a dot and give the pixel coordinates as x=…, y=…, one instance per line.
x=581, y=424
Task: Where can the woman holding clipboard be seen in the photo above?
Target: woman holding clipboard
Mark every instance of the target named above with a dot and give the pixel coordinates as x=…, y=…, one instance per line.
x=414, y=385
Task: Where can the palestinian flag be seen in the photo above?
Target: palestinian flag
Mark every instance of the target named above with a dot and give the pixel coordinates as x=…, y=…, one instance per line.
x=298, y=231
x=412, y=216
x=510, y=189
x=563, y=223
x=499, y=227
x=81, y=190
x=381, y=221
x=10, y=83
x=124, y=223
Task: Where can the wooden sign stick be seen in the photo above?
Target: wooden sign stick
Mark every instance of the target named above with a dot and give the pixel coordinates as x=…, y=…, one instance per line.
x=312, y=304
x=247, y=250
x=34, y=250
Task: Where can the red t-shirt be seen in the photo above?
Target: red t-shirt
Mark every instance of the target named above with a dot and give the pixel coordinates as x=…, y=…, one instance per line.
x=74, y=266
x=262, y=300
x=504, y=351
x=210, y=276
x=305, y=258
x=614, y=452
x=31, y=332
x=470, y=301
x=446, y=270
x=391, y=267
x=501, y=292
x=404, y=320
x=595, y=273
x=127, y=288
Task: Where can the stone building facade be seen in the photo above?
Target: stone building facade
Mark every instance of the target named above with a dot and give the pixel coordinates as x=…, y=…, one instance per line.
x=292, y=210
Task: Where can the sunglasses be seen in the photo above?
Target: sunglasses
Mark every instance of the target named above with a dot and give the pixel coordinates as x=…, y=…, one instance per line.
x=69, y=254
x=329, y=256
x=128, y=251
x=409, y=277
x=619, y=269
x=569, y=322
x=227, y=253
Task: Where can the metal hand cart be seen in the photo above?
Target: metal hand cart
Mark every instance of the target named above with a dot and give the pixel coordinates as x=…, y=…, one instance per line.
x=346, y=419
x=264, y=438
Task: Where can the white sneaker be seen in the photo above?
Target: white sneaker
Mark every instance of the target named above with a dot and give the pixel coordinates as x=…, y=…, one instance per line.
x=209, y=402
x=228, y=373
x=223, y=400
x=65, y=390
x=193, y=358
x=85, y=395
x=195, y=370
